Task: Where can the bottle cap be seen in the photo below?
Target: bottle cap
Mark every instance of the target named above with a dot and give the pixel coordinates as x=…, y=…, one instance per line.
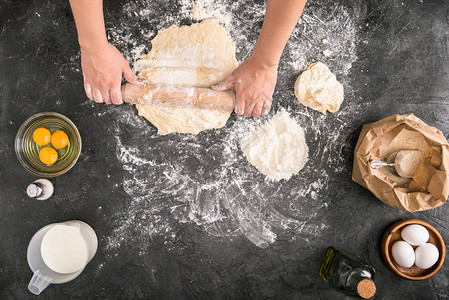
x=41, y=189
x=366, y=288
x=34, y=190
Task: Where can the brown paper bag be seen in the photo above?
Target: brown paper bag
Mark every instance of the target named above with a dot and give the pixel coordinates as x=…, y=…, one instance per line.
x=429, y=187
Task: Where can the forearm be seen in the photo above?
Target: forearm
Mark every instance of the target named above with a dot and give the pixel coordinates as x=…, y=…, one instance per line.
x=280, y=19
x=88, y=15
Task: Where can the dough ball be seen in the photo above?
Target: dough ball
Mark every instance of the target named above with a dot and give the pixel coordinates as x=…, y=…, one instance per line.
x=318, y=88
x=277, y=149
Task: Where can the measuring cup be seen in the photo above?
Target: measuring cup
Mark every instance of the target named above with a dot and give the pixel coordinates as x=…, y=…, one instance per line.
x=43, y=275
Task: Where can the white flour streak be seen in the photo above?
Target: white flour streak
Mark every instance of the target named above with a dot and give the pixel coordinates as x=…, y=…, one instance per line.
x=334, y=24
x=206, y=9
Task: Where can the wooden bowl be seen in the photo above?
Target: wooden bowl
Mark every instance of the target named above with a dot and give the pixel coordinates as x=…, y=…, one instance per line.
x=393, y=234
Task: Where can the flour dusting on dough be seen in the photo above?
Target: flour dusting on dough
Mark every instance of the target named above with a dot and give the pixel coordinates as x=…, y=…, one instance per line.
x=199, y=55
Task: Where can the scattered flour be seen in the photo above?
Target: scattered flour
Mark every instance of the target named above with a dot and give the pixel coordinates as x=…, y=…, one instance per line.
x=277, y=149
x=208, y=183
x=206, y=9
x=206, y=180
x=328, y=32
x=327, y=52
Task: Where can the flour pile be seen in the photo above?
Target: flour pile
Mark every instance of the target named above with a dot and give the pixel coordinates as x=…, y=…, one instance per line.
x=277, y=149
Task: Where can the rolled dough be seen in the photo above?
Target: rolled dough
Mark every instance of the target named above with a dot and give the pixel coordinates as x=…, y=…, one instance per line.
x=199, y=55
x=319, y=89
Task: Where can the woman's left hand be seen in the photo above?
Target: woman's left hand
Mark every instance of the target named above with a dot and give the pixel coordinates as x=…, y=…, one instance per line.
x=254, y=85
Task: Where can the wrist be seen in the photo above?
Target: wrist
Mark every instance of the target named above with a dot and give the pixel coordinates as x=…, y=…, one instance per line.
x=91, y=44
x=265, y=60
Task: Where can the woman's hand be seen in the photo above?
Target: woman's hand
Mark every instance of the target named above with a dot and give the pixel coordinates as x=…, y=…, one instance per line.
x=254, y=85
x=255, y=78
x=103, y=67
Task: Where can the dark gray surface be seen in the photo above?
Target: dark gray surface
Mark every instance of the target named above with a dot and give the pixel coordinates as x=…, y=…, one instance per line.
x=401, y=66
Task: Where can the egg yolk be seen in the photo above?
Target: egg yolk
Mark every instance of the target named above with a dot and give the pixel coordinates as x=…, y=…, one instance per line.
x=48, y=155
x=59, y=139
x=41, y=136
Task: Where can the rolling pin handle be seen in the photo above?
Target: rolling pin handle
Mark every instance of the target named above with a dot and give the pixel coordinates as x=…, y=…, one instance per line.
x=123, y=90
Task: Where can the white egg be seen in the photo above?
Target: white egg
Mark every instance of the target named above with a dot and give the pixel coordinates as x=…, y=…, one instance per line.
x=415, y=234
x=403, y=254
x=426, y=255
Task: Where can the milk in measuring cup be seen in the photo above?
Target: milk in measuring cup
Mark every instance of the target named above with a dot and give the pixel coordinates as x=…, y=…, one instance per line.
x=64, y=250
x=58, y=253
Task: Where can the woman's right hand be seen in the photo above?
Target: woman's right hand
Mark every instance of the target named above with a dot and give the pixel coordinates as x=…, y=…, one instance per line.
x=103, y=67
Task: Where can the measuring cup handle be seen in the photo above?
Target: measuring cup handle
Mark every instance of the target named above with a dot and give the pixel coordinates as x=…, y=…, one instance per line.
x=38, y=283
x=376, y=164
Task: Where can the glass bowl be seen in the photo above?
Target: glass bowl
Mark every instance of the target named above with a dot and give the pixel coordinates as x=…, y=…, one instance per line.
x=27, y=150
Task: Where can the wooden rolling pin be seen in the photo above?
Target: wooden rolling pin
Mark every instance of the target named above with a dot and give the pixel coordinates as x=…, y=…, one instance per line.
x=178, y=96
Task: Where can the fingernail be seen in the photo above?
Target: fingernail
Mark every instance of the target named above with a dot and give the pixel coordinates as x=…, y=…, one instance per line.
x=88, y=90
x=218, y=87
x=266, y=111
x=266, y=108
x=98, y=98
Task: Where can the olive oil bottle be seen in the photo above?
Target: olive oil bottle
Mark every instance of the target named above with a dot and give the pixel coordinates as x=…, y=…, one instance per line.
x=345, y=273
